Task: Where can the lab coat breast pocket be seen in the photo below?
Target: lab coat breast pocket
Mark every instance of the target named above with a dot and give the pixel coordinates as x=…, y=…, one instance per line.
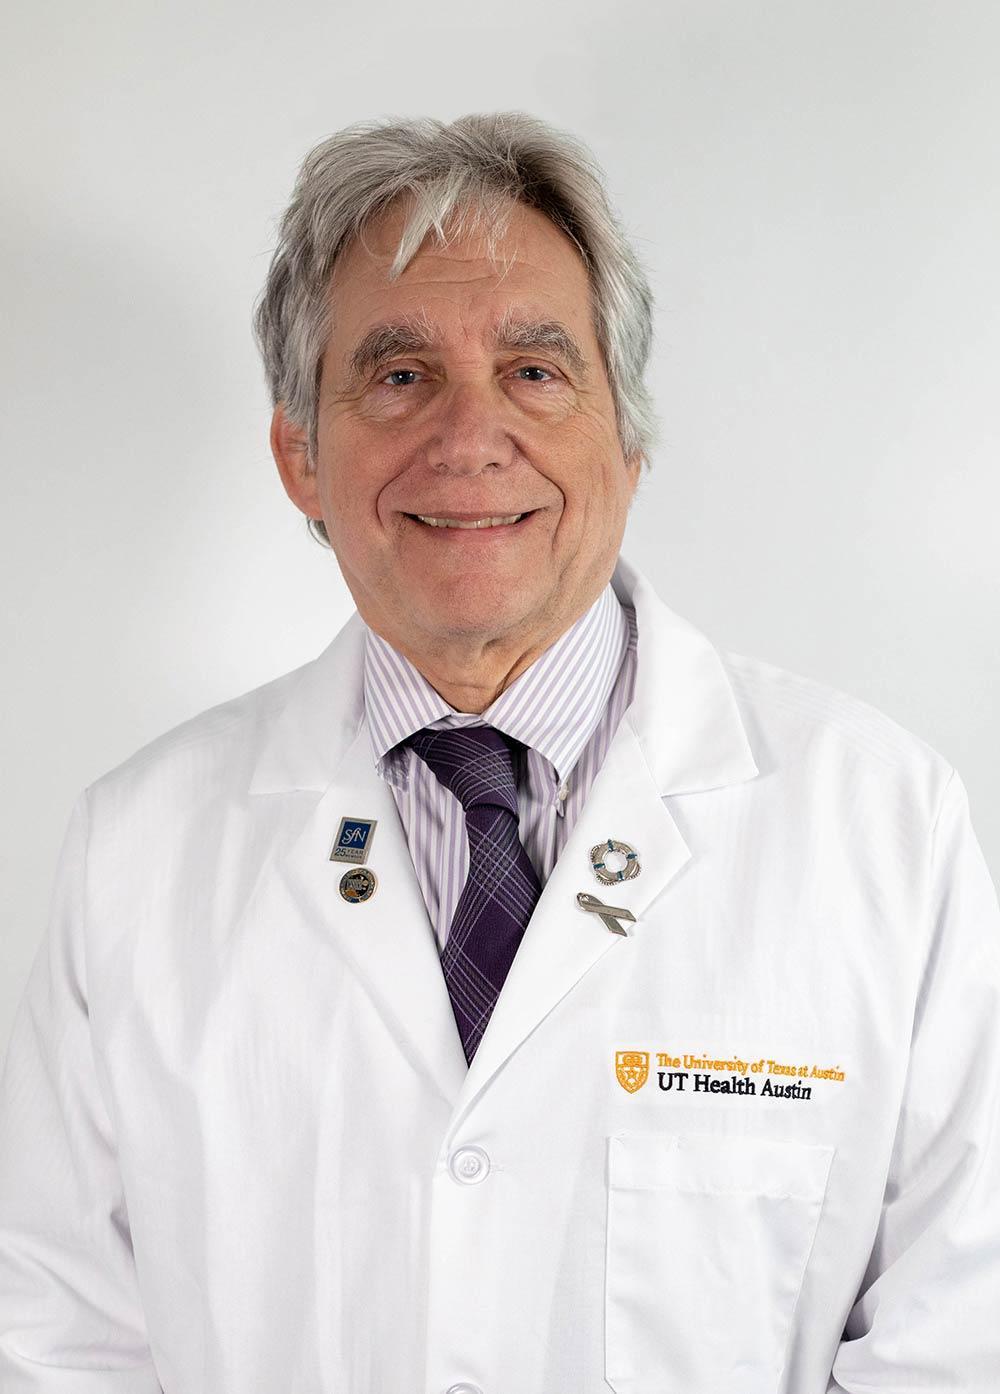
x=707, y=1242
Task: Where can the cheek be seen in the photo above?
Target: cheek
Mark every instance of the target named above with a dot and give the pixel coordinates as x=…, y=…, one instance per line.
x=354, y=485
x=596, y=486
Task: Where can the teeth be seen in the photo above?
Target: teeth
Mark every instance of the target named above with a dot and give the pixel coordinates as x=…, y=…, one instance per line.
x=478, y=523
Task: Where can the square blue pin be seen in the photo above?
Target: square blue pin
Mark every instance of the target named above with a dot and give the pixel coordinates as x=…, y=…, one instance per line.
x=354, y=840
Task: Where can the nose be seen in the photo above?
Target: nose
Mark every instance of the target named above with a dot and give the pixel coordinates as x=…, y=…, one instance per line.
x=470, y=435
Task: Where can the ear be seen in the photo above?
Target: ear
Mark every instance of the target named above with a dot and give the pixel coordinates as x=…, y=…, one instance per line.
x=290, y=448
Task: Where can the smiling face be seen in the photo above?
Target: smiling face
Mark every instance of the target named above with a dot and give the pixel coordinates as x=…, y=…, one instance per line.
x=436, y=418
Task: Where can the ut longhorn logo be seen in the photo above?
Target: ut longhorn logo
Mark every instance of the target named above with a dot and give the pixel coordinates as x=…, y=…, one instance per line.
x=632, y=1068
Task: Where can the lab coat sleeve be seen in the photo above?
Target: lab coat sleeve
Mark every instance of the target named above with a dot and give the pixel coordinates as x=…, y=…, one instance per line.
x=927, y=1316
x=70, y=1316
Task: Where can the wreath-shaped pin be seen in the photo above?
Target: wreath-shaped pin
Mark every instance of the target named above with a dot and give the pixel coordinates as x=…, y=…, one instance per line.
x=607, y=875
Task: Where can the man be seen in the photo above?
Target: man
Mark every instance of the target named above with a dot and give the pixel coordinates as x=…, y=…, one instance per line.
x=523, y=995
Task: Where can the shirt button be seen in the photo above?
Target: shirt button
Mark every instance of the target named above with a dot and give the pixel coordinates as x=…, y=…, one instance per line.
x=468, y=1164
x=563, y=792
x=463, y=1389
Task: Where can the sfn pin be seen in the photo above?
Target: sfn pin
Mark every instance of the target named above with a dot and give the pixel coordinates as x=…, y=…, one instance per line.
x=354, y=840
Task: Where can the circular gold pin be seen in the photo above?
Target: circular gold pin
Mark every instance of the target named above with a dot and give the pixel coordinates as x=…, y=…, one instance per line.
x=609, y=874
x=358, y=884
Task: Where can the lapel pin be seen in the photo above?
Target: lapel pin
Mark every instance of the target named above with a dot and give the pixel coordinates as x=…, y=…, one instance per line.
x=610, y=914
x=358, y=884
x=354, y=840
x=608, y=874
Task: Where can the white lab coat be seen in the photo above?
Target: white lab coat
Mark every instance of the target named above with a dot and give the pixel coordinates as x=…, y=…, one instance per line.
x=242, y=1153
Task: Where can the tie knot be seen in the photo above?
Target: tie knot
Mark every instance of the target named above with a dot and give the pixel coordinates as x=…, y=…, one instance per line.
x=474, y=762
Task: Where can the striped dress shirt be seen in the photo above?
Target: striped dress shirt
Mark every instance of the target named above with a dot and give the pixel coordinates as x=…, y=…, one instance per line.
x=564, y=709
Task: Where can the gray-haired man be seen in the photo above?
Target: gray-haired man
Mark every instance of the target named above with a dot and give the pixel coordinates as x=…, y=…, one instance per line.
x=523, y=996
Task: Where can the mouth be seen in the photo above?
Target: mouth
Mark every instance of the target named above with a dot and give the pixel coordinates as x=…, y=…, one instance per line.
x=451, y=524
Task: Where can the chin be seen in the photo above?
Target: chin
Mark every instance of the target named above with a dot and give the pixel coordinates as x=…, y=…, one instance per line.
x=474, y=609
x=478, y=587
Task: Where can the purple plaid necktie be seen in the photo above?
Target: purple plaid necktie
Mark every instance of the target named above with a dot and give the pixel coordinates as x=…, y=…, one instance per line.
x=475, y=763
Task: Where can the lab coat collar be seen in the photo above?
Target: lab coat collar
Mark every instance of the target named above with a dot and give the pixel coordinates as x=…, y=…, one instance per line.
x=684, y=713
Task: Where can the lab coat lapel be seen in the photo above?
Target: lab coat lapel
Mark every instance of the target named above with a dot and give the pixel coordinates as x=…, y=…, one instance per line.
x=562, y=941
x=683, y=733
x=320, y=742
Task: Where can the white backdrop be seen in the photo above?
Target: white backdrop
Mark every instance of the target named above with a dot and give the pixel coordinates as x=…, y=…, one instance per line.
x=813, y=189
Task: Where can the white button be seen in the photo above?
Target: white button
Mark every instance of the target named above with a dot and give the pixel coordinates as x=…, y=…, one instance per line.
x=468, y=1164
x=563, y=792
x=463, y=1389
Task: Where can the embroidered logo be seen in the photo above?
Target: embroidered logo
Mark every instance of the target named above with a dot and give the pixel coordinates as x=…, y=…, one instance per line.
x=686, y=1073
x=632, y=1068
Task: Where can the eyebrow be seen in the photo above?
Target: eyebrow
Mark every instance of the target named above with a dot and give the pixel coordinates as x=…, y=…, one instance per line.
x=415, y=334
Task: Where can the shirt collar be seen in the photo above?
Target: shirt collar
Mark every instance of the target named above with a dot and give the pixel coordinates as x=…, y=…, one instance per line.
x=552, y=707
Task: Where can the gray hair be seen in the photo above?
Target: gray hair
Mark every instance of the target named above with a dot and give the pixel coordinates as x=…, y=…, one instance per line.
x=477, y=168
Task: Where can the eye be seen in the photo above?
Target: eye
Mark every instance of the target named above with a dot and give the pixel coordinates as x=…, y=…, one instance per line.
x=403, y=372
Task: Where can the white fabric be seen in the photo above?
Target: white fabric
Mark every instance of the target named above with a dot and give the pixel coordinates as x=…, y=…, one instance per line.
x=240, y=1150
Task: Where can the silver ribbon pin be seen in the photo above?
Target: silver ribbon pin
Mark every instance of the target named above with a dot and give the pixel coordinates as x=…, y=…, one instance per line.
x=610, y=914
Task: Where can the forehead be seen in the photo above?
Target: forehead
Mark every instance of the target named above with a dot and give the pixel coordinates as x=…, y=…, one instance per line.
x=534, y=262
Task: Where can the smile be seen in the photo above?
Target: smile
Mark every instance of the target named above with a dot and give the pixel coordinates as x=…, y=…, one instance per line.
x=486, y=521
